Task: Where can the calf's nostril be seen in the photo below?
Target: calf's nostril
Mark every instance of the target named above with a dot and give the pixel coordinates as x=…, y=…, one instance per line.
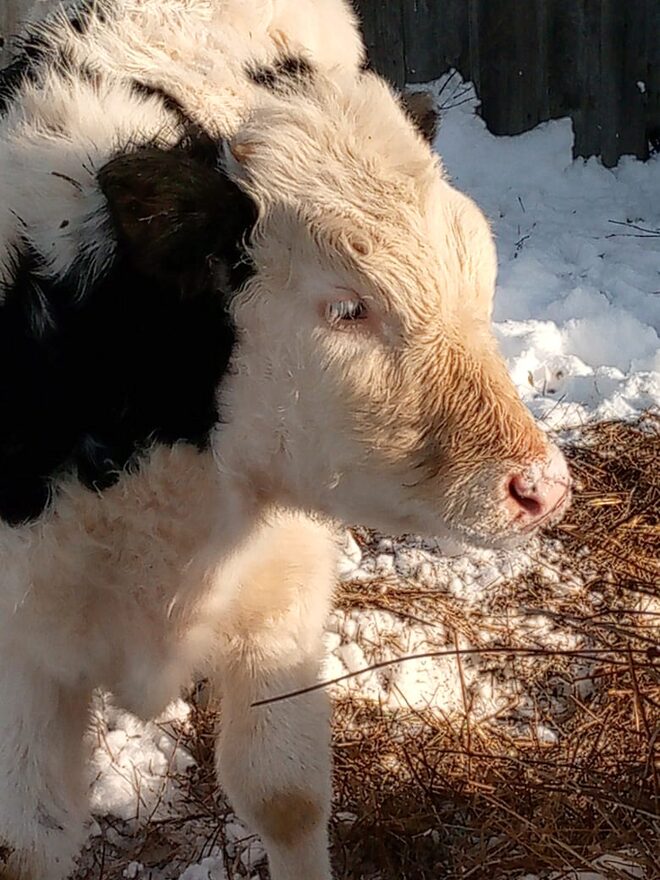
x=525, y=496
x=539, y=491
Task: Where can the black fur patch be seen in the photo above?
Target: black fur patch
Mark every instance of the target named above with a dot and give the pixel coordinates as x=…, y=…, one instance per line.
x=176, y=213
x=89, y=381
x=286, y=72
x=169, y=102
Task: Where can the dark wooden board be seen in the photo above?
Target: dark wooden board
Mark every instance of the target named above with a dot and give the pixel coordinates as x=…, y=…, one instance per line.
x=533, y=60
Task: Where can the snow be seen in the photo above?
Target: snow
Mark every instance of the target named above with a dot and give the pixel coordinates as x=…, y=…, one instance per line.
x=624, y=867
x=134, y=765
x=577, y=315
x=207, y=869
x=577, y=308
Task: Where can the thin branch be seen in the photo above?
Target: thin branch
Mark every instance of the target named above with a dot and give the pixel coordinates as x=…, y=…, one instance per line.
x=629, y=225
x=585, y=654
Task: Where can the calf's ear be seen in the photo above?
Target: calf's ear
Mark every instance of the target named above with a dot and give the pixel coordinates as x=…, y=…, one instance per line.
x=177, y=215
x=420, y=108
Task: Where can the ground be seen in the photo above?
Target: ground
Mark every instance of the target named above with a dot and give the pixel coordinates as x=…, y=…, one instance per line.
x=528, y=745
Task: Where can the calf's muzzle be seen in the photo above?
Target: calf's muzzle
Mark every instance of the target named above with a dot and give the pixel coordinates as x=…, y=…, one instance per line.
x=540, y=493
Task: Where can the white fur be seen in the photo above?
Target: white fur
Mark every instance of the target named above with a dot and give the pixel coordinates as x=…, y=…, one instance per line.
x=227, y=586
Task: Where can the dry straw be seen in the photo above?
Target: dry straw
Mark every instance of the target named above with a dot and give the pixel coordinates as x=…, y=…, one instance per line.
x=431, y=797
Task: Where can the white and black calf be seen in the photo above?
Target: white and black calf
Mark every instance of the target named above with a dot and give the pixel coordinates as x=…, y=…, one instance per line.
x=238, y=302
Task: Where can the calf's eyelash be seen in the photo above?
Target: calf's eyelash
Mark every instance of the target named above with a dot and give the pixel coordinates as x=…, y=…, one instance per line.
x=346, y=310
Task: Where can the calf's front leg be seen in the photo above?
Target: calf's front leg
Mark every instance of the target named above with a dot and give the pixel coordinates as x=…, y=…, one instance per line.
x=43, y=800
x=274, y=760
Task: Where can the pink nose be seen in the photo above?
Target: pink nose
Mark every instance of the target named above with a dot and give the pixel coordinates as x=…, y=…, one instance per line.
x=541, y=492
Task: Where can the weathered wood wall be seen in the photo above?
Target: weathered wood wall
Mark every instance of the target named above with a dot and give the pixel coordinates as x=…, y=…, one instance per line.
x=12, y=12
x=533, y=60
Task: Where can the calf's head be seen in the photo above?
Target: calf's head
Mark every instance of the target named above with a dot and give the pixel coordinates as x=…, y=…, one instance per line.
x=365, y=382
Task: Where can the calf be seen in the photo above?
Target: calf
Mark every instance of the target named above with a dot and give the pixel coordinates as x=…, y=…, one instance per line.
x=239, y=302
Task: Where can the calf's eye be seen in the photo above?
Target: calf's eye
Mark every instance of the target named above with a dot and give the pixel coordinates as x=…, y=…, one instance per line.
x=345, y=311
